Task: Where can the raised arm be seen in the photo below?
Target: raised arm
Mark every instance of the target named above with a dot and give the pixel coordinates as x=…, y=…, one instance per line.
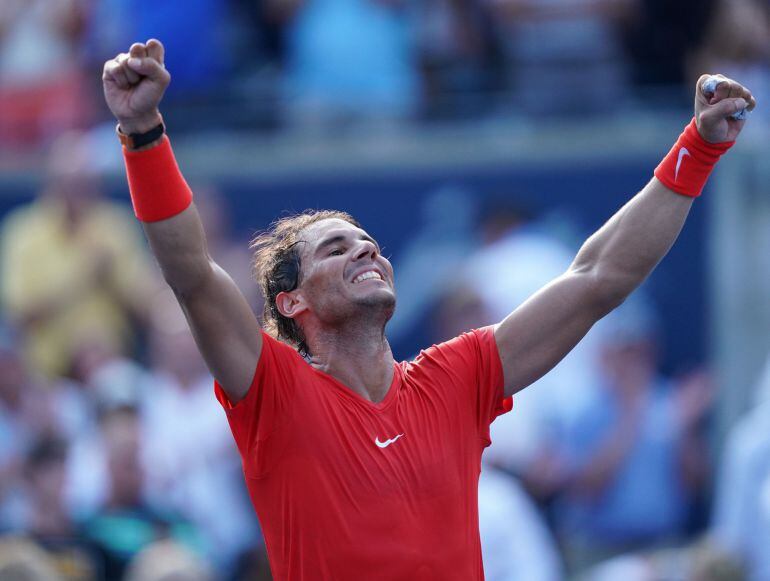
x=621, y=254
x=224, y=326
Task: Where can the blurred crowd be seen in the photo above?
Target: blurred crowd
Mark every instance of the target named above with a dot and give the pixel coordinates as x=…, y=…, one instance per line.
x=115, y=460
x=114, y=457
x=240, y=64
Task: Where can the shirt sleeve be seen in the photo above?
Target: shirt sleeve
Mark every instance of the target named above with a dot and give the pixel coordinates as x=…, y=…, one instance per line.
x=257, y=420
x=472, y=363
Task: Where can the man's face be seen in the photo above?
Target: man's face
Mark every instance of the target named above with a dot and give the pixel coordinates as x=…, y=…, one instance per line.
x=343, y=274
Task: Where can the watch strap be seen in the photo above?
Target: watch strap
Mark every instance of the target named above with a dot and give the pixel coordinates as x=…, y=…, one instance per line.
x=137, y=140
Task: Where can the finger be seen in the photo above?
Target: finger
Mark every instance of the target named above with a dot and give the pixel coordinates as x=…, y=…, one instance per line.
x=746, y=94
x=131, y=75
x=148, y=67
x=156, y=50
x=138, y=50
x=708, y=85
x=727, y=108
x=736, y=90
x=115, y=73
x=721, y=92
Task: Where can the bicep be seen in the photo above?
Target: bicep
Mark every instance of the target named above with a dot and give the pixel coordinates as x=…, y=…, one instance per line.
x=540, y=332
x=225, y=329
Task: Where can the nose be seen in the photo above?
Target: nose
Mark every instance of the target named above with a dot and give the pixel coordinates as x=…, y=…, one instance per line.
x=366, y=249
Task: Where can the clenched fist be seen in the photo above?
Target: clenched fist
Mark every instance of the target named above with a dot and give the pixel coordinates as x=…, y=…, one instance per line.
x=715, y=107
x=134, y=83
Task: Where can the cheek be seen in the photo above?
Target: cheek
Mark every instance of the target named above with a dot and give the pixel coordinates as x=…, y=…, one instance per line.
x=387, y=266
x=323, y=285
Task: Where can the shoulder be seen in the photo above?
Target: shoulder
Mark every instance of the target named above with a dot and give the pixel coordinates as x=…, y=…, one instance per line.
x=279, y=361
x=470, y=343
x=467, y=358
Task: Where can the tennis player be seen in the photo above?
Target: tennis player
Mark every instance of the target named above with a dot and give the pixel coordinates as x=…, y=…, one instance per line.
x=361, y=467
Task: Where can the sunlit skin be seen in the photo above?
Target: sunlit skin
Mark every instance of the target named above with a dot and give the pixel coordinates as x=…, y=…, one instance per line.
x=344, y=321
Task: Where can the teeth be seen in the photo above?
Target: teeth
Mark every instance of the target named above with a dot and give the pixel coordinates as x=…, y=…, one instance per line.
x=366, y=276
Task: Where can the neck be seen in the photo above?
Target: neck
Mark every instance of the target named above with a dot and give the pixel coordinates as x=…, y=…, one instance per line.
x=360, y=357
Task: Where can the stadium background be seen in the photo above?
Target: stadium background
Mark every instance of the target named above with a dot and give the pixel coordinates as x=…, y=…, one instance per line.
x=450, y=129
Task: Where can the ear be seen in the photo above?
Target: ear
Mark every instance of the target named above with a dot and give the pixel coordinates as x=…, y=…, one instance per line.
x=290, y=303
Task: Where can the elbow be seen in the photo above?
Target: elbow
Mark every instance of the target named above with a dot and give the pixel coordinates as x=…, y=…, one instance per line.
x=608, y=287
x=184, y=280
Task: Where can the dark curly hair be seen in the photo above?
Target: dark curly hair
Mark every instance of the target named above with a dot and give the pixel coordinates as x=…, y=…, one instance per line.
x=277, y=269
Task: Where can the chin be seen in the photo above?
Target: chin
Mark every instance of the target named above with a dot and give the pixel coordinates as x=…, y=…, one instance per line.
x=381, y=300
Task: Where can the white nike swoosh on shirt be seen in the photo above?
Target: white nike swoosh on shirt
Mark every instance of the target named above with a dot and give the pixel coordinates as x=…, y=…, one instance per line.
x=386, y=443
x=682, y=153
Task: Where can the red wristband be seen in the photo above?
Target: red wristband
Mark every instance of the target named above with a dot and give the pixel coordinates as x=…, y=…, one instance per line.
x=158, y=189
x=687, y=166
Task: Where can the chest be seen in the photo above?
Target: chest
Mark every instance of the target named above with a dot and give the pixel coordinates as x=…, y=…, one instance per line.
x=419, y=445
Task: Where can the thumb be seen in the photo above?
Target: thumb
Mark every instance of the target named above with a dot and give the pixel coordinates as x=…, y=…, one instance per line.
x=726, y=108
x=147, y=67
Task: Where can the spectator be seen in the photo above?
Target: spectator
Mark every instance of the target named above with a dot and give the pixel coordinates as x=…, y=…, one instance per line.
x=192, y=452
x=347, y=57
x=167, y=561
x=48, y=521
x=635, y=459
x=21, y=560
x=42, y=89
x=110, y=381
x=22, y=420
x=460, y=58
x=662, y=40
x=126, y=523
x=516, y=544
x=74, y=268
x=698, y=561
x=742, y=503
x=565, y=56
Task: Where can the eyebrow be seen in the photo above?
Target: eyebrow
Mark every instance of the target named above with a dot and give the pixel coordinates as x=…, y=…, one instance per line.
x=342, y=238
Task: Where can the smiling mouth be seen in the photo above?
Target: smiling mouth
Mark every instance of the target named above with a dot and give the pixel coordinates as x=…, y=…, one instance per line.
x=368, y=275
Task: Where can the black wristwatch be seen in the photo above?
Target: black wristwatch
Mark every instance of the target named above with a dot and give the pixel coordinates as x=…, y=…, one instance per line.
x=137, y=140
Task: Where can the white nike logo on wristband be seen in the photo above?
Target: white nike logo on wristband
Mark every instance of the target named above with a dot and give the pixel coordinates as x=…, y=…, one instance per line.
x=386, y=443
x=682, y=153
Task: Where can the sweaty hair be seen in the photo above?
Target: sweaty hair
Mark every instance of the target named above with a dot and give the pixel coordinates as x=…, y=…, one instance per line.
x=277, y=265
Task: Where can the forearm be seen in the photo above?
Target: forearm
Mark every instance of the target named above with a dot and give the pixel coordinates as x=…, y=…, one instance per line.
x=162, y=201
x=623, y=252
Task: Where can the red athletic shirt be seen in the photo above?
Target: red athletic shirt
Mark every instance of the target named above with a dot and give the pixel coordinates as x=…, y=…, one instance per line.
x=349, y=490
